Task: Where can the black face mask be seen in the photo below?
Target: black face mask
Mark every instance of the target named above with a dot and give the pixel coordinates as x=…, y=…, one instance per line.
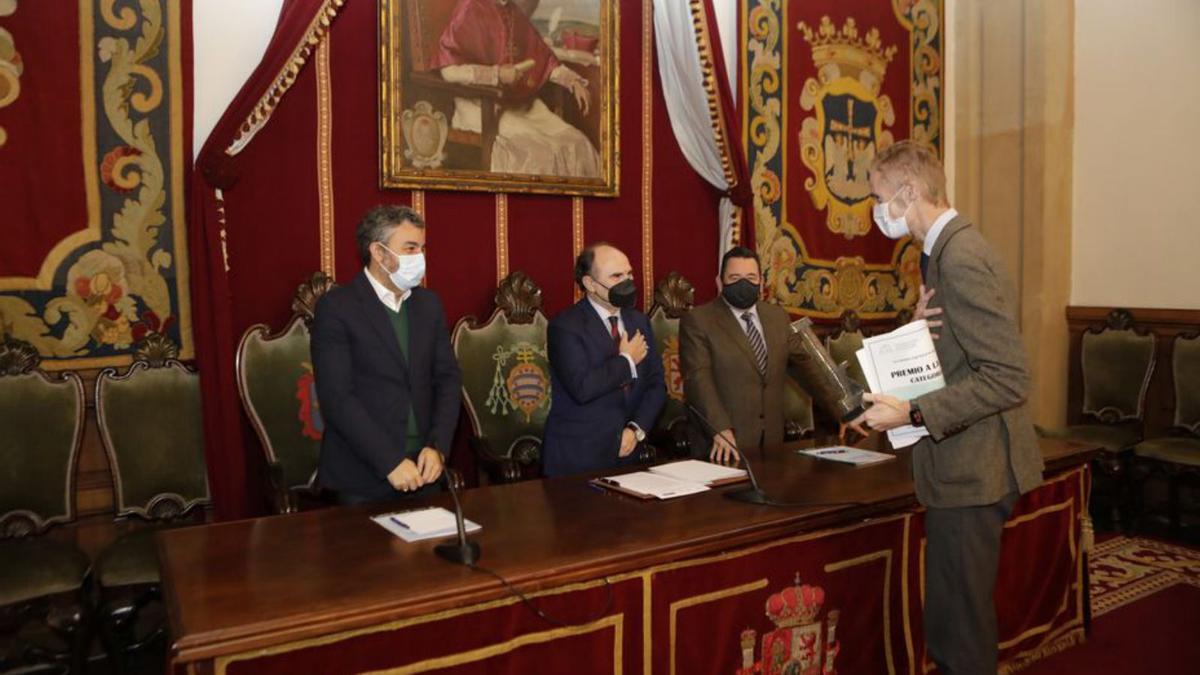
x=742, y=293
x=622, y=295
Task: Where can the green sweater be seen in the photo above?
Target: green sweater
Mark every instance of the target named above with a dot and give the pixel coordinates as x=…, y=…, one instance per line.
x=412, y=442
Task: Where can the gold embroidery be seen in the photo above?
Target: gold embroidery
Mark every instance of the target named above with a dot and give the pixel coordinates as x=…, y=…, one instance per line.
x=325, y=157
x=647, y=153
x=501, y=236
x=11, y=65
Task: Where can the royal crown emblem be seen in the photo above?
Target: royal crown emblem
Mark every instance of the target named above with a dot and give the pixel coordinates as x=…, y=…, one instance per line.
x=801, y=643
x=672, y=369
x=523, y=387
x=840, y=140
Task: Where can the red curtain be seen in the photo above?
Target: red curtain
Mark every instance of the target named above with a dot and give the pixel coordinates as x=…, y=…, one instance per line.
x=252, y=248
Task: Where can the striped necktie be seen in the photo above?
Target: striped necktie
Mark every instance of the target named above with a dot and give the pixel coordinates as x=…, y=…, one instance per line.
x=756, y=342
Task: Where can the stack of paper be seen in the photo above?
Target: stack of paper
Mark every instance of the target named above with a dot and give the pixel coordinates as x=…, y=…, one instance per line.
x=651, y=485
x=848, y=455
x=430, y=523
x=904, y=364
x=696, y=471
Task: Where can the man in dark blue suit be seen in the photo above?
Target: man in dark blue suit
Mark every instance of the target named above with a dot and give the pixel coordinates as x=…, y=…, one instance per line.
x=606, y=377
x=386, y=376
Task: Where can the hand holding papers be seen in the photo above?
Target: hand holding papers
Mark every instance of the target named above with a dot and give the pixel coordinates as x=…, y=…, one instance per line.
x=904, y=364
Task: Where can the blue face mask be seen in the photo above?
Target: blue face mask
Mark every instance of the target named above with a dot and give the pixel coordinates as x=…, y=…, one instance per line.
x=892, y=228
x=410, y=269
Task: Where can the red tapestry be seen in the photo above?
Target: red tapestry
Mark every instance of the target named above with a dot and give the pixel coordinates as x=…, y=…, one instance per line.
x=827, y=84
x=293, y=164
x=95, y=117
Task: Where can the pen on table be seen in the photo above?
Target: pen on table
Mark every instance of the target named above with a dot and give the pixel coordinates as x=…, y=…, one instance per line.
x=399, y=522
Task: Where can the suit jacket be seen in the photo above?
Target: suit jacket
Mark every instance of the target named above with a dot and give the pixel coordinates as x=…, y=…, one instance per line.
x=590, y=406
x=982, y=444
x=721, y=378
x=366, y=385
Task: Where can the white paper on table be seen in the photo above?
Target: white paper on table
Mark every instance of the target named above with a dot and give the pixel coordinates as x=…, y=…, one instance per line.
x=420, y=524
x=654, y=485
x=847, y=455
x=696, y=471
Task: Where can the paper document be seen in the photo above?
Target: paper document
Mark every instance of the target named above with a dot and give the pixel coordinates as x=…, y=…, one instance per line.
x=848, y=455
x=653, y=485
x=430, y=523
x=904, y=364
x=696, y=471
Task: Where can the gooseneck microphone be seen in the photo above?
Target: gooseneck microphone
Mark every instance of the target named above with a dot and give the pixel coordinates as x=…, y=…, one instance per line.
x=754, y=494
x=751, y=495
x=463, y=552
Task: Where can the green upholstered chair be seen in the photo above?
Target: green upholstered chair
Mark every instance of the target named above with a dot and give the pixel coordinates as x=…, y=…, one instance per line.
x=279, y=394
x=152, y=430
x=506, y=380
x=798, y=419
x=844, y=343
x=1117, y=360
x=43, y=582
x=673, y=297
x=1177, y=455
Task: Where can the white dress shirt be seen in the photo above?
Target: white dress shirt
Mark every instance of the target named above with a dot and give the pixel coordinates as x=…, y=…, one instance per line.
x=936, y=229
x=391, y=300
x=604, y=314
x=737, y=314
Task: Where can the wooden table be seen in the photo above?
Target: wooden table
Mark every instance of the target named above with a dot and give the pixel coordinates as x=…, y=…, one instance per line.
x=239, y=586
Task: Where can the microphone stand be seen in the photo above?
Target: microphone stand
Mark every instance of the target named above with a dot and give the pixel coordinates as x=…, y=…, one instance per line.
x=751, y=495
x=462, y=552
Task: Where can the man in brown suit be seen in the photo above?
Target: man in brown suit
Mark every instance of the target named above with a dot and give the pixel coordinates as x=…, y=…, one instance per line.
x=981, y=452
x=735, y=352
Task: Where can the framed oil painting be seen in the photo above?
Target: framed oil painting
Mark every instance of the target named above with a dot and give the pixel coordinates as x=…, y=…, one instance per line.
x=499, y=95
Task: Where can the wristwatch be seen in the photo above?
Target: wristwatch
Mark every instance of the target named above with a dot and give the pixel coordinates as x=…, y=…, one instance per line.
x=637, y=431
x=915, y=417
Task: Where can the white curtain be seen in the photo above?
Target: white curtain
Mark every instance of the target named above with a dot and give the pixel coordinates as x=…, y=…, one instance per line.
x=687, y=101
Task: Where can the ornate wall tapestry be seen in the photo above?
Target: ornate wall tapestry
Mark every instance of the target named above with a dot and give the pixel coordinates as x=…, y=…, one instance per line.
x=93, y=249
x=516, y=96
x=827, y=85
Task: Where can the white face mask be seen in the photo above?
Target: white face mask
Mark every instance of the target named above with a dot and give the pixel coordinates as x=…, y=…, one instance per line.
x=410, y=269
x=892, y=228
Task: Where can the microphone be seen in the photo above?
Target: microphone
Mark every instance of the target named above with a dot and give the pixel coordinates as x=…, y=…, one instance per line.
x=752, y=495
x=462, y=552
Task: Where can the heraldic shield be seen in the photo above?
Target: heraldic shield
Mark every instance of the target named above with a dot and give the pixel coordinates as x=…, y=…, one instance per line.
x=801, y=643
x=506, y=372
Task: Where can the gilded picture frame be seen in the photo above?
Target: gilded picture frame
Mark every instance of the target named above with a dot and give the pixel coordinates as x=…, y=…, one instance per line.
x=499, y=96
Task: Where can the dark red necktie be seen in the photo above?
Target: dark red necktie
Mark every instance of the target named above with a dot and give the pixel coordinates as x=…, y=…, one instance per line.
x=616, y=336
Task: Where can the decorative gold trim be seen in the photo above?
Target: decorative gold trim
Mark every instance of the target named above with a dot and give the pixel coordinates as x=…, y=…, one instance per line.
x=647, y=152
x=909, y=646
x=614, y=621
x=886, y=556
x=647, y=623
x=706, y=598
x=576, y=238
x=325, y=156
x=318, y=29
x=418, y=202
x=221, y=663
x=219, y=197
x=708, y=71
x=179, y=230
x=501, y=236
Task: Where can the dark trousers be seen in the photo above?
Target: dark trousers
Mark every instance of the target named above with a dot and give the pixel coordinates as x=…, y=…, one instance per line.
x=352, y=499
x=962, y=557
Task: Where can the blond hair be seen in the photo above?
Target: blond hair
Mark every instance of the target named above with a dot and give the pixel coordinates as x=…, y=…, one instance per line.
x=912, y=161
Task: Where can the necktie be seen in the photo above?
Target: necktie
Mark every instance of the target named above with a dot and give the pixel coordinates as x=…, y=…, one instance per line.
x=756, y=342
x=924, y=266
x=616, y=332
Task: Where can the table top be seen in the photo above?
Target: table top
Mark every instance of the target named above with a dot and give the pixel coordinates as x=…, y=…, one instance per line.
x=241, y=585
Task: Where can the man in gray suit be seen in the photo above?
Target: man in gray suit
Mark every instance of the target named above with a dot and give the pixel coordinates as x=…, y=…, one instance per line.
x=981, y=453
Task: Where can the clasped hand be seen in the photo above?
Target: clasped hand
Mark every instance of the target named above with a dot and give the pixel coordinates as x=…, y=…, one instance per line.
x=409, y=475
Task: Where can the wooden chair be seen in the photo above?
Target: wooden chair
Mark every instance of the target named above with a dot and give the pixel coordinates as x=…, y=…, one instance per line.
x=279, y=394
x=152, y=430
x=506, y=380
x=1117, y=360
x=44, y=608
x=1177, y=456
x=673, y=297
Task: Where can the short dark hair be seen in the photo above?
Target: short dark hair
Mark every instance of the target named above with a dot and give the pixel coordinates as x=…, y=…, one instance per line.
x=584, y=262
x=378, y=223
x=739, y=252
